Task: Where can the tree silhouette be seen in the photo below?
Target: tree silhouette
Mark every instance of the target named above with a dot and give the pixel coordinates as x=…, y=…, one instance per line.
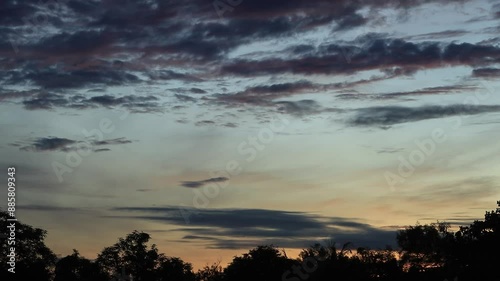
x=264, y=263
x=34, y=260
x=479, y=248
x=132, y=256
x=423, y=246
x=172, y=268
x=213, y=272
x=323, y=262
x=426, y=252
x=377, y=264
x=431, y=252
x=77, y=268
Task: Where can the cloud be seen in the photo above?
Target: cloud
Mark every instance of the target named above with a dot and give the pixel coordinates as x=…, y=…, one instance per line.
x=438, y=35
x=112, y=141
x=185, y=98
x=372, y=54
x=197, y=91
x=350, y=21
x=391, y=115
x=390, y=150
x=263, y=95
x=240, y=228
x=103, y=44
x=61, y=79
x=50, y=144
x=299, y=108
x=46, y=100
x=486, y=73
x=173, y=75
x=205, y=123
x=66, y=145
x=195, y=184
x=50, y=208
x=395, y=95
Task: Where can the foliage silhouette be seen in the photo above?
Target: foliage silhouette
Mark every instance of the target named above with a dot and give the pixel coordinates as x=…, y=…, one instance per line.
x=262, y=263
x=77, y=268
x=213, y=272
x=34, y=260
x=426, y=252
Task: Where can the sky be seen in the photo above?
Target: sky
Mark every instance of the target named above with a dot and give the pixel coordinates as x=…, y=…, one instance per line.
x=220, y=126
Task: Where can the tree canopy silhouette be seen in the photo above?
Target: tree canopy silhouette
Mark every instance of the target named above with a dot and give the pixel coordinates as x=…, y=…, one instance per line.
x=34, y=260
x=426, y=252
x=77, y=268
x=131, y=256
x=261, y=263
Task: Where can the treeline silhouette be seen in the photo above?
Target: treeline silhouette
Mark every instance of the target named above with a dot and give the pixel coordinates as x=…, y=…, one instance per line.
x=426, y=252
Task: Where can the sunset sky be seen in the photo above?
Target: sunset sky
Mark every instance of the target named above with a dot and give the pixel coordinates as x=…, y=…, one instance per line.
x=220, y=126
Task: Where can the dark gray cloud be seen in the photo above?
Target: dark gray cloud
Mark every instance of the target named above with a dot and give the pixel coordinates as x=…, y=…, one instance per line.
x=240, y=228
x=102, y=74
x=409, y=94
x=46, y=100
x=205, y=123
x=101, y=44
x=391, y=115
x=172, y=75
x=230, y=125
x=185, y=98
x=112, y=141
x=46, y=208
x=350, y=21
x=491, y=73
x=50, y=144
x=65, y=145
x=299, y=108
x=265, y=94
x=438, y=35
x=195, y=184
x=197, y=91
x=374, y=53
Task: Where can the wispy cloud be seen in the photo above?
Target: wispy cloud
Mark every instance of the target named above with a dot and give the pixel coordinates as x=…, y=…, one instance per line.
x=195, y=184
x=66, y=145
x=391, y=115
x=239, y=228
